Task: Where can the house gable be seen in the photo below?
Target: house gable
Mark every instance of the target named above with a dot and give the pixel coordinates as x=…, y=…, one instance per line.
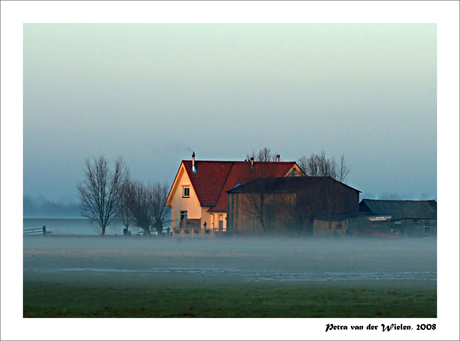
x=295, y=171
x=178, y=182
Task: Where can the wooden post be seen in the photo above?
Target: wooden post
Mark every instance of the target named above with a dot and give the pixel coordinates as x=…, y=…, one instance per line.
x=44, y=230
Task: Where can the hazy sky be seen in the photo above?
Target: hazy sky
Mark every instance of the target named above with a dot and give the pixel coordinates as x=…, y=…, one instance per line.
x=154, y=93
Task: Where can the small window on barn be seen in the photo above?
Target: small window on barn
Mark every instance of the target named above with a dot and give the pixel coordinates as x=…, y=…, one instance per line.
x=427, y=227
x=186, y=193
x=414, y=222
x=183, y=215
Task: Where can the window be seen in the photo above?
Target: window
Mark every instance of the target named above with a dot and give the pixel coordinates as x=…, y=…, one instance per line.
x=186, y=192
x=183, y=215
x=414, y=222
x=427, y=226
x=221, y=222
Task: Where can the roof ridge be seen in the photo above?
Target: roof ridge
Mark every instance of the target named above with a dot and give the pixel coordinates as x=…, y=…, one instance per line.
x=229, y=161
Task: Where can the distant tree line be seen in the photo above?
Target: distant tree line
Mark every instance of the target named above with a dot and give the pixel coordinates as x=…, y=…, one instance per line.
x=110, y=195
x=44, y=208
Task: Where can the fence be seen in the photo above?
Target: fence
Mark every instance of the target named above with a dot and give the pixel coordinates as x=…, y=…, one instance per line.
x=35, y=231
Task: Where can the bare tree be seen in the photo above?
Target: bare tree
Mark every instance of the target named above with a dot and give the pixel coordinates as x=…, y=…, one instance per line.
x=102, y=190
x=390, y=196
x=263, y=155
x=139, y=202
x=159, y=211
x=125, y=216
x=328, y=202
x=255, y=207
x=320, y=165
x=270, y=211
x=302, y=216
x=147, y=206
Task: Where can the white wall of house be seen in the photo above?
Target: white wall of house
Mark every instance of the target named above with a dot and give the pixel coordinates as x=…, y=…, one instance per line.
x=215, y=218
x=206, y=218
x=180, y=203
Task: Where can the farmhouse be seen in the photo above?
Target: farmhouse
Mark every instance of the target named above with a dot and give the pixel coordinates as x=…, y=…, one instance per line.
x=198, y=195
x=287, y=205
x=249, y=197
x=399, y=217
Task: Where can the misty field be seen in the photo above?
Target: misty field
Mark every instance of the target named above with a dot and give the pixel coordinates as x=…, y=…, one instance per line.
x=165, y=277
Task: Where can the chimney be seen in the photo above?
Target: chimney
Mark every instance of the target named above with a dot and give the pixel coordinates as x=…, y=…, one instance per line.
x=252, y=162
x=278, y=158
x=193, y=163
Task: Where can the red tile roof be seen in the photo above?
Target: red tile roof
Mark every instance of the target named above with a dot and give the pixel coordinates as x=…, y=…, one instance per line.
x=214, y=178
x=209, y=179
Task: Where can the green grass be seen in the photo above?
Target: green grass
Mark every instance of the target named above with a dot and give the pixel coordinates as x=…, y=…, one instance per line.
x=70, y=300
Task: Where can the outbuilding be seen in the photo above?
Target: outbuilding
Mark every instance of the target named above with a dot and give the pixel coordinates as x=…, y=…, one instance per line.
x=398, y=217
x=291, y=205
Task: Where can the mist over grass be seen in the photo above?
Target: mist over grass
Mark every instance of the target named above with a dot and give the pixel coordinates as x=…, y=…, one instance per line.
x=229, y=277
x=313, y=255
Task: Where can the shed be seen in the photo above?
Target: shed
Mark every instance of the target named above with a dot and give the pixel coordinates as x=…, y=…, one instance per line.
x=281, y=205
x=407, y=217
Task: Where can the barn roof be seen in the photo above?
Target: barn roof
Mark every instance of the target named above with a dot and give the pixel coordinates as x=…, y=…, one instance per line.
x=401, y=209
x=283, y=184
x=212, y=179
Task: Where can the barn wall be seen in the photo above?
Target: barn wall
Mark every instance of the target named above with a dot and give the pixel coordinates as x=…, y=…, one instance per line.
x=362, y=226
x=245, y=208
x=329, y=198
x=332, y=228
x=282, y=210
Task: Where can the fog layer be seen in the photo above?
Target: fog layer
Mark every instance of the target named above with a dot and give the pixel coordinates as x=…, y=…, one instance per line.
x=113, y=259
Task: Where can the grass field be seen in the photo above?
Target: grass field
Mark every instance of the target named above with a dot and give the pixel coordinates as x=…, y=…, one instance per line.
x=63, y=300
x=96, y=277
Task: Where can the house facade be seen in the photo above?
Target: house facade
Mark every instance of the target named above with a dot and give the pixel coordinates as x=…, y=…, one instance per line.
x=198, y=195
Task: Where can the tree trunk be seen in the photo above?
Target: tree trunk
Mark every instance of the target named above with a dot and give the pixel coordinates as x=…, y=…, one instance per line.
x=146, y=231
x=102, y=231
x=263, y=227
x=159, y=228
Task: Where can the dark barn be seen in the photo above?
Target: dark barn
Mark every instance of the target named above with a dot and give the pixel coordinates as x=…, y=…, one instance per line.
x=399, y=217
x=291, y=205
